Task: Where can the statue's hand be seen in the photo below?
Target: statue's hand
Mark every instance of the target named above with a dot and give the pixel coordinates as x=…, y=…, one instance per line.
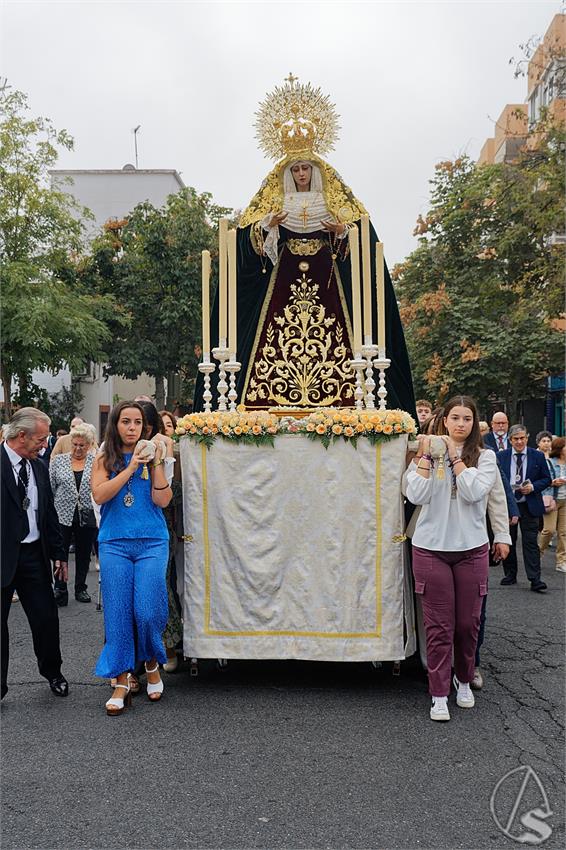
x=337, y=229
x=278, y=218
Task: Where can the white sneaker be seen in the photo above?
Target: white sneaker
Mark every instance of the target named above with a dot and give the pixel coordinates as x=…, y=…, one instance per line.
x=464, y=695
x=560, y=568
x=439, y=709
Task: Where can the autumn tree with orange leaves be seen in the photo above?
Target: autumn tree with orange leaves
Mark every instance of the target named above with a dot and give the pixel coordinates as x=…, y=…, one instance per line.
x=482, y=298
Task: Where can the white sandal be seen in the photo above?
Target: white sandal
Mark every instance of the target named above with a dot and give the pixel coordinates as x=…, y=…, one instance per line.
x=117, y=705
x=154, y=690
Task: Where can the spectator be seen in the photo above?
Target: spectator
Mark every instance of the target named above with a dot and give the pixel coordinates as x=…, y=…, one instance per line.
x=528, y=473
x=450, y=550
x=31, y=538
x=169, y=422
x=556, y=520
x=424, y=410
x=63, y=444
x=484, y=428
x=497, y=438
x=70, y=475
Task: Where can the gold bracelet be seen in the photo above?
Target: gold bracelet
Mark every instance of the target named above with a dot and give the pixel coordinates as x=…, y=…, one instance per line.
x=157, y=463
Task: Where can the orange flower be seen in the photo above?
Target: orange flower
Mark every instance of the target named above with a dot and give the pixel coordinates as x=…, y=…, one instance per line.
x=387, y=429
x=206, y=430
x=360, y=428
x=225, y=430
x=321, y=429
x=256, y=429
x=310, y=426
x=237, y=430
x=337, y=429
x=349, y=431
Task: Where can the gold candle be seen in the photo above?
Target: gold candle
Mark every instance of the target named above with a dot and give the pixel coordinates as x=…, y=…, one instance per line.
x=356, y=305
x=232, y=281
x=206, y=305
x=380, y=283
x=366, y=277
x=222, y=280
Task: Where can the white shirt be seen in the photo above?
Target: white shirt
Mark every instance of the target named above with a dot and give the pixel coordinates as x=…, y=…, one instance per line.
x=505, y=440
x=32, y=493
x=446, y=524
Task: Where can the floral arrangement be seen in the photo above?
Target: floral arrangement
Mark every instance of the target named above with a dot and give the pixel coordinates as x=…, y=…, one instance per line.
x=326, y=425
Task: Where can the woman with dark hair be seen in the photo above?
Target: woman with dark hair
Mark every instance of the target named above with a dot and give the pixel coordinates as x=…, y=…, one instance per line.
x=556, y=519
x=128, y=480
x=169, y=422
x=450, y=548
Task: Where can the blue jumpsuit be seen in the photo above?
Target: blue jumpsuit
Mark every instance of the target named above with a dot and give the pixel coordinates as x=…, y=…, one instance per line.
x=133, y=553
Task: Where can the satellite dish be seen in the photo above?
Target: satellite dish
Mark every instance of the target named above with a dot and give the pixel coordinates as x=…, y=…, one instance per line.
x=129, y=167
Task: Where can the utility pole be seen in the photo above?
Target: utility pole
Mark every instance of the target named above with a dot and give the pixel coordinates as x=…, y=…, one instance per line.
x=135, y=132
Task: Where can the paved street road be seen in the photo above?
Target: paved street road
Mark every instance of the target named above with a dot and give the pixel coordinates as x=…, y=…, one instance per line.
x=286, y=754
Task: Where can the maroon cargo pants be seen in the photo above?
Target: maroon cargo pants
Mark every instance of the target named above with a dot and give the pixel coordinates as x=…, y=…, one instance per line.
x=452, y=586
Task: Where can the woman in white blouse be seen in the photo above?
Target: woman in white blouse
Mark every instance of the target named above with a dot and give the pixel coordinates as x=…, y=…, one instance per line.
x=450, y=549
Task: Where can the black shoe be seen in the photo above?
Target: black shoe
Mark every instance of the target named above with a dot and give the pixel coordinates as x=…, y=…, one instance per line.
x=538, y=586
x=61, y=599
x=508, y=580
x=59, y=686
x=82, y=596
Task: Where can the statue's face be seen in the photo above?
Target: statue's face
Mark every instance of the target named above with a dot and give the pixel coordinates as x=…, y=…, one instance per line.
x=302, y=173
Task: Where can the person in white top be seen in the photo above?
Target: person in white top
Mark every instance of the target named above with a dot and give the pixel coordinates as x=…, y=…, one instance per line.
x=450, y=549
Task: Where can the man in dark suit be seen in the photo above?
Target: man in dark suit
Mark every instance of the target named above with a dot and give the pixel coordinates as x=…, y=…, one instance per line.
x=497, y=438
x=528, y=473
x=31, y=538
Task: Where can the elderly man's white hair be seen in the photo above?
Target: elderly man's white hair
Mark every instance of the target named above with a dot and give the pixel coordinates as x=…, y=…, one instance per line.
x=26, y=419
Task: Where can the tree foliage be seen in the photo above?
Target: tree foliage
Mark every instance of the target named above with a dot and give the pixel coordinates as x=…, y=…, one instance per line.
x=151, y=262
x=481, y=295
x=48, y=320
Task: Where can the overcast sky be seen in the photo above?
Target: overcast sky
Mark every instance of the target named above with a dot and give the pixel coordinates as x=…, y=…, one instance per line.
x=413, y=83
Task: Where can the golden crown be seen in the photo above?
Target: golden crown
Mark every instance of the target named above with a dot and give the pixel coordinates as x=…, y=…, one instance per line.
x=296, y=119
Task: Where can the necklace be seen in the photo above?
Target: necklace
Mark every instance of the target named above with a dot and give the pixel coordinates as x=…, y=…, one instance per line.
x=129, y=496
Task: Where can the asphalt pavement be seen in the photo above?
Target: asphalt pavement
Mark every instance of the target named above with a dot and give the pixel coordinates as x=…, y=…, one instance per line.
x=291, y=754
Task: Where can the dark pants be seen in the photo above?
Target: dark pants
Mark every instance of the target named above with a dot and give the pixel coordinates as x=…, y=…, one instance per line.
x=451, y=586
x=531, y=555
x=481, y=633
x=32, y=583
x=84, y=538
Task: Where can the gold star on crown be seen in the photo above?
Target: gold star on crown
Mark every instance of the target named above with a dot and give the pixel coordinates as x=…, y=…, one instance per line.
x=296, y=119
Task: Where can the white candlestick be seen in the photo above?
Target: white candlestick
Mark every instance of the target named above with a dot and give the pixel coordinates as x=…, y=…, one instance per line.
x=366, y=277
x=356, y=306
x=380, y=283
x=222, y=278
x=206, y=304
x=232, y=292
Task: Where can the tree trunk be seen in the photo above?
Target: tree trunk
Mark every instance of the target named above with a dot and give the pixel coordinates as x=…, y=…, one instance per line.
x=159, y=392
x=7, y=387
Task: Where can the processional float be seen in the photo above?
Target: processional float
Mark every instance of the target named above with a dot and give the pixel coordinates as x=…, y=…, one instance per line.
x=267, y=574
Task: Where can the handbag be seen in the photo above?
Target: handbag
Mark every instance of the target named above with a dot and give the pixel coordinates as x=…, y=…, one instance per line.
x=549, y=504
x=87, y=518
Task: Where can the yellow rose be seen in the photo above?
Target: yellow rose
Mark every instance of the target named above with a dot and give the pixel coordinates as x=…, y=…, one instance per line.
x=310, y=426
x=225, y=430
x=378, y=428
x=256, y=429
x=237, y=430
x=388, y=429
x=397, y=428
x=337, y=429
x=349, y=431
x=368, y=426
x=192, y=430
x=245, y=429
x=206, y=430
x=321, y=429
x=360, y=428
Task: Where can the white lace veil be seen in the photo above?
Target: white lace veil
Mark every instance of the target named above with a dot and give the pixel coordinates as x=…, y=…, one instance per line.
x=289, y=184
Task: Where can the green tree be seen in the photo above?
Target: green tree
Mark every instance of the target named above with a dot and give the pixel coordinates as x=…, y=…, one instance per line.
x=481, y=295
x=48, y=320
x=151, y=262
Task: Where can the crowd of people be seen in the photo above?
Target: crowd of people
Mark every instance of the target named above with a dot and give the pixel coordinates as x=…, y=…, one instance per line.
x=470, y=495
x=75, y=492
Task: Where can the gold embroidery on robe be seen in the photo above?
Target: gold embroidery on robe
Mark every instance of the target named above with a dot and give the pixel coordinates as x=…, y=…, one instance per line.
x=304, y=247
x=305, y=360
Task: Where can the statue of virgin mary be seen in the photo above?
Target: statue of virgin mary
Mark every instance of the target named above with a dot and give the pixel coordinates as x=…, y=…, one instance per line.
x=294, y=283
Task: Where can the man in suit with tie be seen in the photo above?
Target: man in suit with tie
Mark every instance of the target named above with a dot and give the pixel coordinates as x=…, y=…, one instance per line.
x=31, y=539
x=528, y=473
x=497, y=438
